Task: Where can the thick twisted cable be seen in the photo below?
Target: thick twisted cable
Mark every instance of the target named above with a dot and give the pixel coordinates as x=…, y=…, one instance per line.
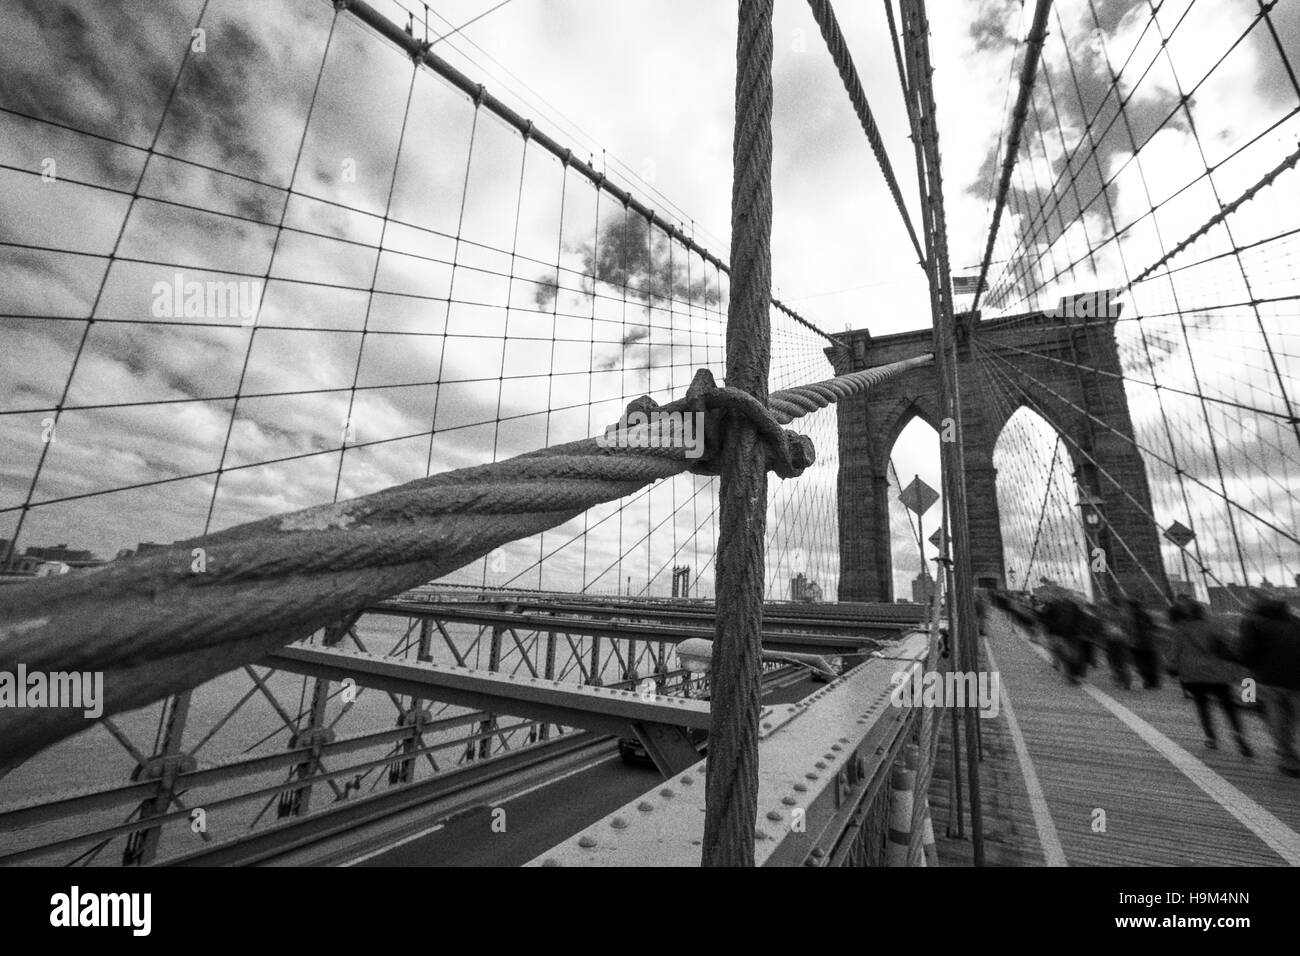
x=791, y=403
x=166, y=621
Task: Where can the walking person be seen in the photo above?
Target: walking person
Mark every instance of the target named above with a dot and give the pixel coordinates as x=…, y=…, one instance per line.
x=1092, y=635
x=1270, y=647
x=1114, y=635
x=1199, y=656
x=1063, y=620
x=1142, y=640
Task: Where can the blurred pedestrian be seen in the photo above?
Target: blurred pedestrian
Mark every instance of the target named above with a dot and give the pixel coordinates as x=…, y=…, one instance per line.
x=1270, y=647
x=1014, y=609
x=1114, y=635
x=1091, y=636
x=1200, y=654
x=1142, y=642
x=1063, y=620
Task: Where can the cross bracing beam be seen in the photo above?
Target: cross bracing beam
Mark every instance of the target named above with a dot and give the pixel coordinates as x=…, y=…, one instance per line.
x=861, y=636
x=823, y=757
x=886, y=617
x=838, y=614
x=339, y=832
x=182, y=813
x=601, y=709
x=64, y=805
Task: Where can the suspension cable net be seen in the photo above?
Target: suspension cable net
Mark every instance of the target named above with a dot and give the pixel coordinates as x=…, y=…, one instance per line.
x=282, y=263
x=405, y=284
x=1155, y=188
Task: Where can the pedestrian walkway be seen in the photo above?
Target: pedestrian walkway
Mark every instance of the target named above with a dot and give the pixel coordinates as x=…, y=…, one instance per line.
x=1094, y=775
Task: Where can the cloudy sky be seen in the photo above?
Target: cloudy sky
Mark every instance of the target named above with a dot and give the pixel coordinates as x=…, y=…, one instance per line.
x=1214, y=327
x=485, y=326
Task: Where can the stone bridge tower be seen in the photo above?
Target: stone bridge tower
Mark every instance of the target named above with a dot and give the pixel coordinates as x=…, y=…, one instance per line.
x=1058, y=382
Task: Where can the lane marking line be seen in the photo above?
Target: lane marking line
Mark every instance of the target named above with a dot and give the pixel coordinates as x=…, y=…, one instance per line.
x=583, y=768
x=1048, y=838
x=387, y=847
x=1279, y=837
x=393, y=846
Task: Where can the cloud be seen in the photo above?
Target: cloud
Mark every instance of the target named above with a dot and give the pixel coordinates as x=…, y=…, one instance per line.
x=481, y=322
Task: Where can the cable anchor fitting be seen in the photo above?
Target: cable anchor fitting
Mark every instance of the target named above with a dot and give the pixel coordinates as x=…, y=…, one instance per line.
x=787, y=453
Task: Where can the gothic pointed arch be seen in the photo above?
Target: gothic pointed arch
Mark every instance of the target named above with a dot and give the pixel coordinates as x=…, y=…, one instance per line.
x=1066, y=371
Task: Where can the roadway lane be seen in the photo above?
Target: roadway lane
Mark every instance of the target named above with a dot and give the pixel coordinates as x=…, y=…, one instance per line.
x=515, y=831
x=792, y=693
x=540, y=818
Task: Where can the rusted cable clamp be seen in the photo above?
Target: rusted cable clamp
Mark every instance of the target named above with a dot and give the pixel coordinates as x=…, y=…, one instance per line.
x=788, y=453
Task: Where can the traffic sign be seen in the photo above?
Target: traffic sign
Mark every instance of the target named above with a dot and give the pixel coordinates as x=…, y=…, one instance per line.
x=918, y=496
x=936, y=539
x=1180, y=534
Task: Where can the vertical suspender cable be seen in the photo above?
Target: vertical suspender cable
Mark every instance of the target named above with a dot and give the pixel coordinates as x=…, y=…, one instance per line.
x=731, y=792
x=916, y=43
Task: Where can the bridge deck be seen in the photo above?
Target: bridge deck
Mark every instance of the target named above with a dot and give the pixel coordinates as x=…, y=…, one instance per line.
x=583, y=794
x=1059, y=754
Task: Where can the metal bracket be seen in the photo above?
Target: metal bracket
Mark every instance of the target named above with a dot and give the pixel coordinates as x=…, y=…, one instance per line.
x=313, y=739
x=165, y=767
x=669, y=747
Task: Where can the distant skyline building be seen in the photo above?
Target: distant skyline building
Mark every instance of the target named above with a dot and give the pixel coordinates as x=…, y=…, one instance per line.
x=923, y=588
x=1291, y=595
x=805, y=591
x=61, y=552
x=42, y=561
x=1238, y=597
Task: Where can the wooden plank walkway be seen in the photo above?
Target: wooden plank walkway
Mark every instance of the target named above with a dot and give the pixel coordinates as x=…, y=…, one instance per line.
x=1133, y=760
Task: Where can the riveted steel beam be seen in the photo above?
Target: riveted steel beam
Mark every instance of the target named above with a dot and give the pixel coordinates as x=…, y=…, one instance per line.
x=669, y=747
x=602, y=709
x=862, y=636
x=846, y=615
x=818, y=762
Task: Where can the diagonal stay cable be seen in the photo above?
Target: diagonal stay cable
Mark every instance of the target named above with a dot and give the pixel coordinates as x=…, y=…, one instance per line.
x=371, y=18
x=1042, y=513
x=1028, y=73
x=824, y=14
x=1140, y=447
x=156, y=626
x=1019, y=388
